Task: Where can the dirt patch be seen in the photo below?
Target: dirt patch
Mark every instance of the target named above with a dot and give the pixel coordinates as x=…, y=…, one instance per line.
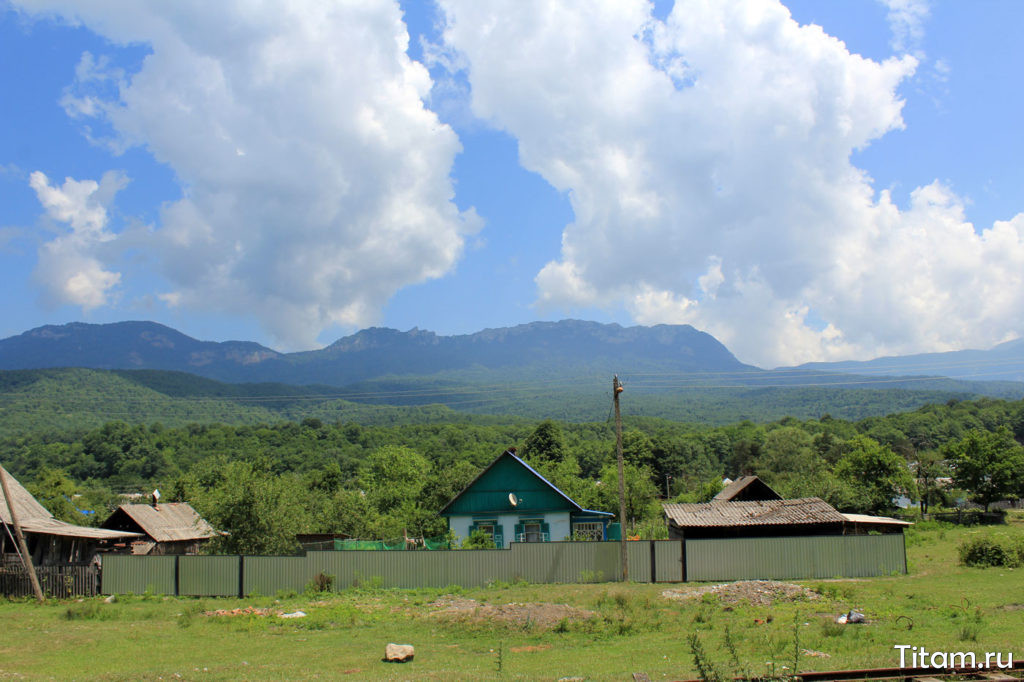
x=529, y=648
x=247, y=611
x=541, y=615
x=757, y=592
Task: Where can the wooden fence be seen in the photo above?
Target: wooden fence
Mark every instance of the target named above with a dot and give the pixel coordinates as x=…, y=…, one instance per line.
x=71, y=580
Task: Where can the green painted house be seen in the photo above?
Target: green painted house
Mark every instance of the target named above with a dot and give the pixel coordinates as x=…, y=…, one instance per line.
x=512, y=502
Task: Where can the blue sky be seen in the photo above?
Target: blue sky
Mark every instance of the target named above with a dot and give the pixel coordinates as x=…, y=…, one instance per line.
x=291, y=174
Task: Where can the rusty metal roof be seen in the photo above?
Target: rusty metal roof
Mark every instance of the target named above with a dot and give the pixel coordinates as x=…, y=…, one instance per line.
x=34, y=518
x=804, y=510
x=169, y=522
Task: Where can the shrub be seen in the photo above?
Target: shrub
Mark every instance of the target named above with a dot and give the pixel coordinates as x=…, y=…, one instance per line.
x=984, y=551
x=479, y=539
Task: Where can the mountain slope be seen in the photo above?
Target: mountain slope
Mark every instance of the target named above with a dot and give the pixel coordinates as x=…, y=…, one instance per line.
x=570, y=347
x=1004, y=362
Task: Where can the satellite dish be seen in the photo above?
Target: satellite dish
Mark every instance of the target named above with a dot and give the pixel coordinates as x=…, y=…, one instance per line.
x=156, y=494
x=512, y=499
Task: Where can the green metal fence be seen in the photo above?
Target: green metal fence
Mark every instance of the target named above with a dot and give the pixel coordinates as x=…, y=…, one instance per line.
x=126, y=574
x=549, y=562
x=827, y=556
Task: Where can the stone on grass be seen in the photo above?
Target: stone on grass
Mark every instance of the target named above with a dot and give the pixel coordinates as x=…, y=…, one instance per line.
x=398, y=653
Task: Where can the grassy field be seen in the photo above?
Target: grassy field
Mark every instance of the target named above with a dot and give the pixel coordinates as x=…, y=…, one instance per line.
x=517, y=632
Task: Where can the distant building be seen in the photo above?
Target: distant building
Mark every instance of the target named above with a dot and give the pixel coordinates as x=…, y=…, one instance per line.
x=512, y=502
x=166, y=528
x=50, y=542
x=746, y=488
x=749, y=508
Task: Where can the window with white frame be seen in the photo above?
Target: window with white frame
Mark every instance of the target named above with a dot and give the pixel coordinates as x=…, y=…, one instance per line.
x=588, y=530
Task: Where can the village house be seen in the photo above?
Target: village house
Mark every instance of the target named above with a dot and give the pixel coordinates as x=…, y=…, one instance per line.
x=511, y=502
x=165, y=528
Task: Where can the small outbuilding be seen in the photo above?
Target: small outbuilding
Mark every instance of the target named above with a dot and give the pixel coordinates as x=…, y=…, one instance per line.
x=747, y=489
x=50, y=541
x=512, y=502
x=165, y=528
x=749, y=508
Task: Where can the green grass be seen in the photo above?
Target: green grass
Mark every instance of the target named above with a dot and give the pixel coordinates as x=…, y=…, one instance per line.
x=940, y=605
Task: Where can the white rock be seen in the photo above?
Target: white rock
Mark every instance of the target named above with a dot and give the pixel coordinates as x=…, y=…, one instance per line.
x=398, y=653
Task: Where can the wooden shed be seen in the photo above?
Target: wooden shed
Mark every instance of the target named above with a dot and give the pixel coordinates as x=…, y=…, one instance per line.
x=51, y=542
x=755, y=518
x=167, y=528
x=749, y=508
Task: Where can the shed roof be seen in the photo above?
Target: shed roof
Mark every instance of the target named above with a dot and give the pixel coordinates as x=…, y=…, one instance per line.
x=34, y=518
x=747, y=488
x=806, y=510
x=881, y=520
x=168, y=522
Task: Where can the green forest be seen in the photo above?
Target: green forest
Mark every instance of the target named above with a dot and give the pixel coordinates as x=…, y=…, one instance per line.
x=265, y=482
x=66, y=401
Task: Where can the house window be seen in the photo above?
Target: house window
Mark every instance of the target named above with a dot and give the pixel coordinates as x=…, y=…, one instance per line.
x=532, y=530
x=490, y=527
x=588, y=530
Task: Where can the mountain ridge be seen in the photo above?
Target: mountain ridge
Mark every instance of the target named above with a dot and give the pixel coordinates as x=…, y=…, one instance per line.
x=570, y=346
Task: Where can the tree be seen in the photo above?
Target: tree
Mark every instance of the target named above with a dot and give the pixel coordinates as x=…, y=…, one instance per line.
x=545, y=444
x=877, y=474
x=54, y=490
x=261, y=512
x=987, y=465
x=641, y=495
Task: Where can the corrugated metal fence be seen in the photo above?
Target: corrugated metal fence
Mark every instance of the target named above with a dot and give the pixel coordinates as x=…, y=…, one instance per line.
x=549, y=562
x=825, y=556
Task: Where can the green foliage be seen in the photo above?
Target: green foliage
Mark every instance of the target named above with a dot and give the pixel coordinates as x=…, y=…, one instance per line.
x=545, y=444
x=988, y=465
x=321, y=583
x=479, y=539
x=986, y=550
x=258, y=511
x=876, y=473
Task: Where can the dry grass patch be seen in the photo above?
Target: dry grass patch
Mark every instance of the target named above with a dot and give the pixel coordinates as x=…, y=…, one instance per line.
x=754, y=592
x=539, y=615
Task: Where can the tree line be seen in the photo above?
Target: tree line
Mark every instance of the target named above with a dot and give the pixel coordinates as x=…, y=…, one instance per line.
x=264, y=483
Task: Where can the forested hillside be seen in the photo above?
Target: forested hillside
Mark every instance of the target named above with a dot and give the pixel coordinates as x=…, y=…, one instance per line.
x=265, y=483
x=63, y=401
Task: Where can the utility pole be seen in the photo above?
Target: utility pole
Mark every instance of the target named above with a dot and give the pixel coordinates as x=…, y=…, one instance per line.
x=26, y=558
x=616, y=390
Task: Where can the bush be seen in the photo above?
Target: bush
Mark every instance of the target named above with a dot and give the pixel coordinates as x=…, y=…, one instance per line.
x=984, y=551
x=479, y=539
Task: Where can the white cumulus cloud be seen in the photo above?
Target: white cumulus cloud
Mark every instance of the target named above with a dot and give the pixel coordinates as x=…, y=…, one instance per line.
x=315, y=181
x=707, y=162
x=70, y=267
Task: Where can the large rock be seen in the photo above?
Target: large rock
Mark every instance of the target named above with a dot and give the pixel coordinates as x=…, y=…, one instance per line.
x=398, y=653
